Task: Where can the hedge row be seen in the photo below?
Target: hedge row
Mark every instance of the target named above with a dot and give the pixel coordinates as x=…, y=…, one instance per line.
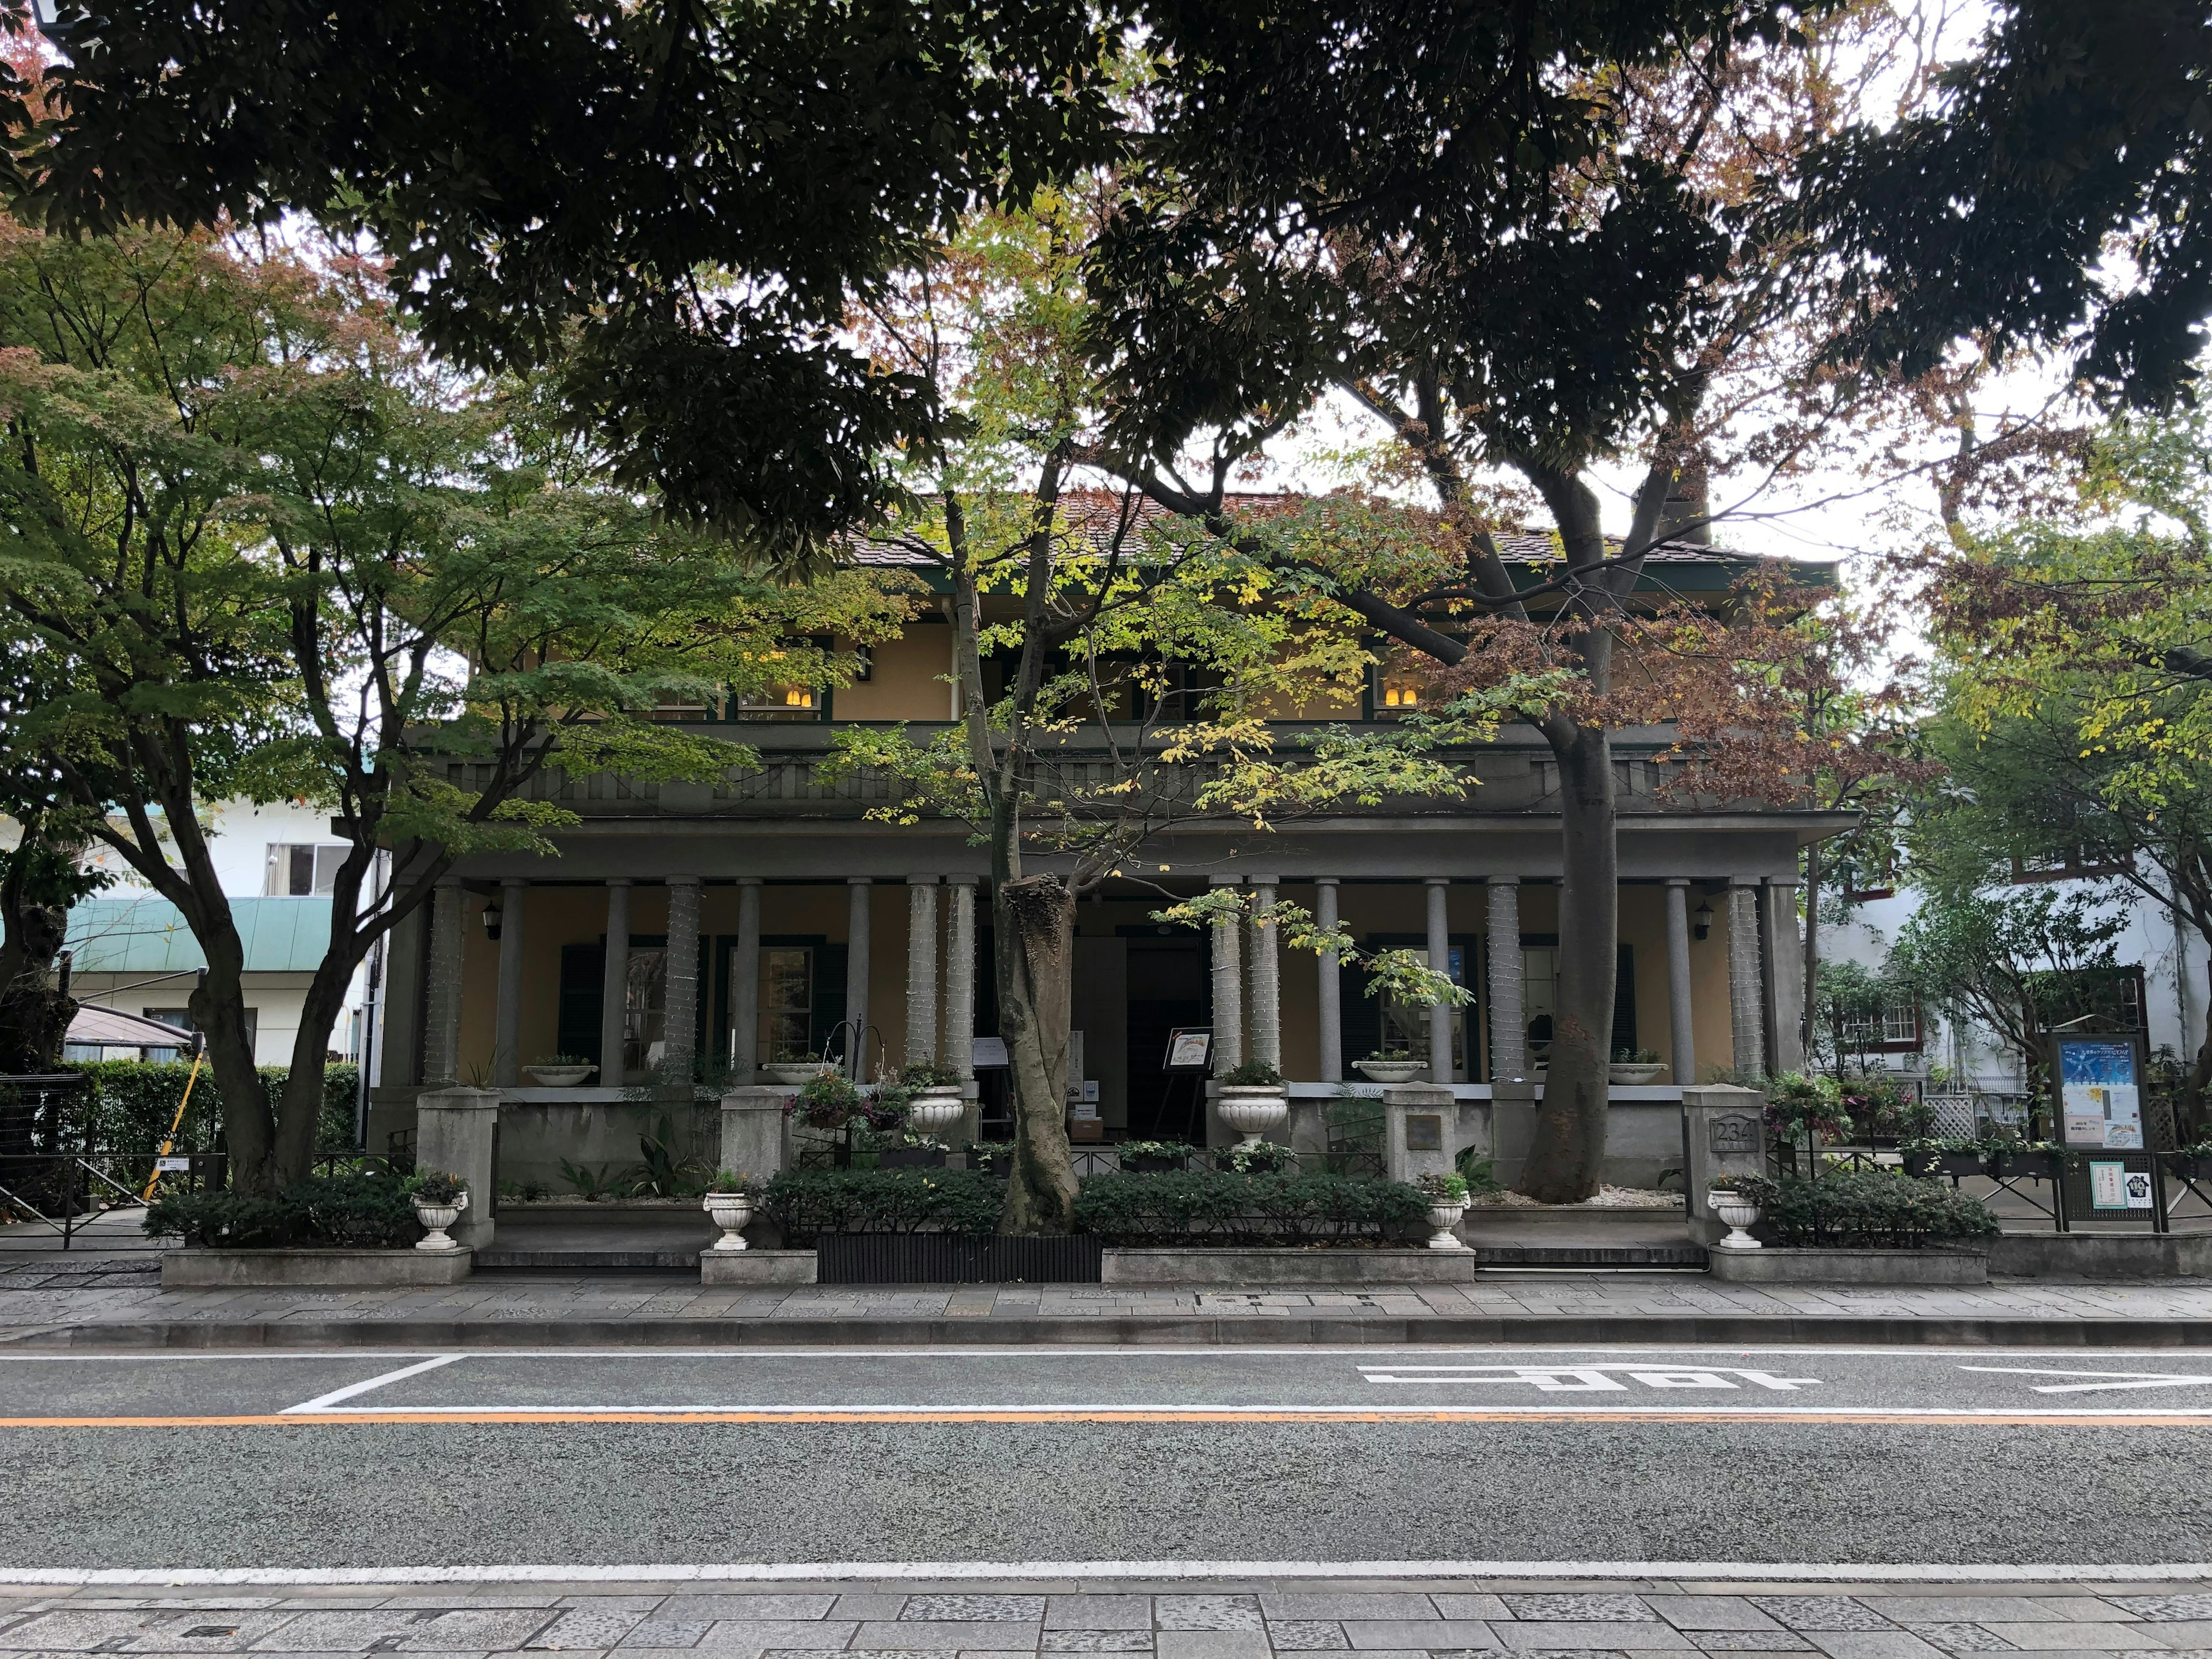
x=132, y=1102
x=1868, y=1209
x=362, y=1212
x=807, y=1203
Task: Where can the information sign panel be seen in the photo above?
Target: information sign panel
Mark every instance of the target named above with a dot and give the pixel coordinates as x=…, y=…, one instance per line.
x=2100, y=1093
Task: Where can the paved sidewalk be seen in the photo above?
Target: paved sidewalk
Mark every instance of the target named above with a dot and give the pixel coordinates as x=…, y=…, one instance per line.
x=1469, y=1619
x=118, y=1299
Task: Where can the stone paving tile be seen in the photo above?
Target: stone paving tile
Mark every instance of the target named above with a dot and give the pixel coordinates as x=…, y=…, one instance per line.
x=2165, y=1609
x=1211, y=1612
x=1096, y=1641
x=1306, y=1635
x=1710, y=1613
x=340, y=1629
x=748, y=1607
x=1945, y=1609
x=758, y=1635
x=2060, y=1635
x=1210, y=1644
x=1812, y=1613
x=589, y=1628
x=1532, y=1635
x=869, y=1604
x=1098, y=1613
x=207, y=1631
x=2083, y=1609
x=1955, y=1635
x=1615, y=1609
x=986, y=1609
x=667, y=1633
x=69, y=1630
x=1773, y=1639
x=1373, y=1635
x=1470, y=1607
x=1891, y=1643
x=939, y=1636
x=1352, y=1604
x=493, y=1628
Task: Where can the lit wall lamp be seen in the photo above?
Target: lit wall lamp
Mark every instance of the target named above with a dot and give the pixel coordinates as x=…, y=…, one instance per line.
x=1703, y=918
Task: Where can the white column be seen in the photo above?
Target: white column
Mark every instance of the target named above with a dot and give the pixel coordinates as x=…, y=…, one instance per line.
x=442, y=1025
x=856, y=977
x=1509, y=1014
x=960, y=978
x=744, y=985
x=1681, y=1033
x=614, y=986
x=506, y=1032
x=1227, y=989
x=1747, y=1011
x=681, y=1027
x=1782, y=957
x=1329, y=985
x=1267, y=975
x=1440, y=1014
x=920, y=970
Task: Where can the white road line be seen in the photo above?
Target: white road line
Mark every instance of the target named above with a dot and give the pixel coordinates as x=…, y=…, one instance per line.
x=680, y=1572
x=2110, y=1380
x=1802, y=1350
x=323, y=1401
x=1636, y=1407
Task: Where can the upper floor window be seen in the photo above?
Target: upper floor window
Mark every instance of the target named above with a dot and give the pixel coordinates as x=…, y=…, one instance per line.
x=301, y=871
x=1398, y=693
x=2072, y=863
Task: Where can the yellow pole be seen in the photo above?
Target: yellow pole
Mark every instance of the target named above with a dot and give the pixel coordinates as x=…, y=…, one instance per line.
x=199, y=1053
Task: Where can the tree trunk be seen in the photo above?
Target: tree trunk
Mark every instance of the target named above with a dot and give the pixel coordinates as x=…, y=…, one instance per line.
x=299, y=1107
x=1566, y=1158
x=1034, y=939
x=218, y=1005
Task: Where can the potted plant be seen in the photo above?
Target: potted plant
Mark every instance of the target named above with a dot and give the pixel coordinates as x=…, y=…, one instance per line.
x=2015, y=1160
x=439, y=1199
x=827, y=1100
x=1153, y=1157
x=794, y=1072
x=1392, y=1066
x=559, y=1071
x=913, y=1153
x=2192, y=1163
x=1954, y=1157
x=729, y=1205
x=1252, y=1100
x=1635, y=1066
x=1735, y=1198
x=932, y=1098
x=1257, y=1157
x=1447, y=1196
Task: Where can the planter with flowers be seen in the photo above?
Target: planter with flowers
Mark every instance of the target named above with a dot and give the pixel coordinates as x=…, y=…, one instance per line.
x=1735, y=1199
x=729, y=1205
x=1388, y=1066
x=1447, y=1196
x=439, y=1199
x=559, y=1071
x=1252, y=1101
x=1636, y=1068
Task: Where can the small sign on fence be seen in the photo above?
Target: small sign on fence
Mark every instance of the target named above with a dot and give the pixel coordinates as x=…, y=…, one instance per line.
x=172, y=1165
x=2114, y=1185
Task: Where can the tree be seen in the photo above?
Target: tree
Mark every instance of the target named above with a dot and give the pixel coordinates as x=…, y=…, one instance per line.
x=676, y=205
x=281, y=556
x=1143, y=652
x=1524, y=242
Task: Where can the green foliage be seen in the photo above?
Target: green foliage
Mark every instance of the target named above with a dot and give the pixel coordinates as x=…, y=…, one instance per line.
x=1264, y=1157
x=1254, y=1074
x=594, y=1186
x=1865, y=1209
x=1214, y=1207
x=133, y=1102
x=807, y=1203
x=435, y=1187
x=1444, y=1188
x=1479, y=1173
x=359, y=1210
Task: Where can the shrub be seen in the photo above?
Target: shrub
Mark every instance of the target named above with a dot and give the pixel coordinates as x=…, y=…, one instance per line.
x=1253, y=1074
x=131, y=1103
x=807, y=1203
x=1221, y=1207
x=362, y=1212
x=435, y=1187
x=1876, y=1209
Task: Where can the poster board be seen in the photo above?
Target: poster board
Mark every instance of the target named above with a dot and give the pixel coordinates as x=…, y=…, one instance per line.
x=2101, y=1092
x=1190, y=1048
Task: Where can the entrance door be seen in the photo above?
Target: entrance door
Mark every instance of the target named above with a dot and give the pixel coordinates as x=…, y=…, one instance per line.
x=1169, y=985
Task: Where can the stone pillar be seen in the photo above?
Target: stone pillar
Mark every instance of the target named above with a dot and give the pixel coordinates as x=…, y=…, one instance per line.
x=1420, y=1131
x=1509, y=1020
x=1329, y=987
x=614, y=986
x=744, y=985
x=507, y=1014
x=1228, y=990
x=856, y=977
x=1440, y=1013
x=960, y=978
x=681, y=1026
x=753, y=1131
x=1266, y=1011
x=455, y=1133
x=1680, y=1033
x=920, y=970
x=1781, y=971
x=1724, y=1133
x=1747, y=1010
x=399, y=1028
x=442, y=1023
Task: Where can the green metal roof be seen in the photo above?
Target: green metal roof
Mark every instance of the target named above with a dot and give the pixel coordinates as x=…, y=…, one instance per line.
x=149, y=935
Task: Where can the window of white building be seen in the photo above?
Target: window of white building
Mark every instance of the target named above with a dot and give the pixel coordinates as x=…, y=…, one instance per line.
x=297, y=870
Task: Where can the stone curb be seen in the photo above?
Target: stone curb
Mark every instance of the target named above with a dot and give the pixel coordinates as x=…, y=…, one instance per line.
x=1173, y=1330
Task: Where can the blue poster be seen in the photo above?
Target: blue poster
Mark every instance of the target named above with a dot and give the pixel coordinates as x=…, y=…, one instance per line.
x=2100, y=1095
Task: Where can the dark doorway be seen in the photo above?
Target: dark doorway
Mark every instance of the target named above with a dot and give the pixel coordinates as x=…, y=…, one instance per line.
x=1169, y=985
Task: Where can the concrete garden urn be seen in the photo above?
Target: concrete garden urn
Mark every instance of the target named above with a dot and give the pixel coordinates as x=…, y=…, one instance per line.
x=1444, y=1216
x=435, y=1218
x=1736, y=1212
x=1635, y=1073
x=938, y=1107
x=794, y=1072
x=1392, y=1071
x=1254, y=1108
x=730, y=1212
x=559, y=1077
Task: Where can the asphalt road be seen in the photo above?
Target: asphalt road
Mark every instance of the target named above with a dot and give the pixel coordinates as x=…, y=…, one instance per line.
x=1819, y=1455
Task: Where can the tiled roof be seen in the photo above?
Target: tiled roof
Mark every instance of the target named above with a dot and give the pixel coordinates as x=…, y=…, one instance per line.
x=1097, y=513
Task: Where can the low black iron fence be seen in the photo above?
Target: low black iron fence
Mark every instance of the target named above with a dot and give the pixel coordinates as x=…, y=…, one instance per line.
x=2069, y=1187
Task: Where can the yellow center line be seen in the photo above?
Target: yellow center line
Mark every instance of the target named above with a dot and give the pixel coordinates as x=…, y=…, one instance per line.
x=1961, y=1420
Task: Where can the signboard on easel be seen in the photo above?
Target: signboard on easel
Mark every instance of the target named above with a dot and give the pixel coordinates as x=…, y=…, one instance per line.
x=2099, y=1091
